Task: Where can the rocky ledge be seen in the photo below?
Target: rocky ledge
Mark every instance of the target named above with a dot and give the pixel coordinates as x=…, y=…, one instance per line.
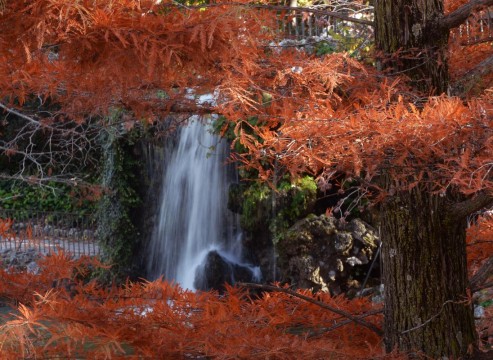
x=321, y=252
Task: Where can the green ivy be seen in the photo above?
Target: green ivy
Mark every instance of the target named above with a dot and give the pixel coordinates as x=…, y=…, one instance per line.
x=117, y=232
x=256, y=206
x=297, y=199
x=24, y=199
x=277, y=210
x=324, y=48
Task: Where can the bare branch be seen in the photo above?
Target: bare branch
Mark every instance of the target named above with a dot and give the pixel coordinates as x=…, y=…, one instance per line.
x=473, y=76
x=482, y=287
x=66, y=147
x=19, y=114
x=430, y=319
x=322, y=331
x=484, y=273
x=479, y=201
x=351, y=317
x=457, y=17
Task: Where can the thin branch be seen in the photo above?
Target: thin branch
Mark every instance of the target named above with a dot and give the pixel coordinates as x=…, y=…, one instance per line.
x=479, y=201
x=482, y=275
x=333, y=14
x=191, y=107
x=473, y=76
x=321, y=331
x=19, y=114
x=482, y=287
x=430, y=319
x=460, y=15
x=353, y=318
x=480, y=242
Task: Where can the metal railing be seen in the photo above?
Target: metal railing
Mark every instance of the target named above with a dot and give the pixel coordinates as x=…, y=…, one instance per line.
x=48, y=231
x=303, y=23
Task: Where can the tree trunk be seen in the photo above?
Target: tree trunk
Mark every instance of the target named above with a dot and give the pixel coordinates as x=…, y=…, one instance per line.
x=425, y=277
x=424, y=253
x=410, y=44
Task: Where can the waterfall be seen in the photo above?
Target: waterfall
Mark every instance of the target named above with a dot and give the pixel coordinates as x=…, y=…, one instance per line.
x=193, y=215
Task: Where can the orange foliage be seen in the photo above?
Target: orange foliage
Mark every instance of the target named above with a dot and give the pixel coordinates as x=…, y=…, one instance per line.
x=326, y=116
x=469, y=44
x=346, y=120
x=479, y=243
x=6, y=228
x=91, y=55
x=59, y=315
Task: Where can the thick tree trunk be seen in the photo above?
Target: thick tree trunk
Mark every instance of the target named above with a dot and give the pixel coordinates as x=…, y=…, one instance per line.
x=410, y=44
x=425, y=277
x=423, y=254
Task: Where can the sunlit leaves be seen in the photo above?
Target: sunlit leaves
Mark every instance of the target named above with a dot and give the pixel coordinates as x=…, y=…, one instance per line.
x=156, y=319
x=351, y=122
x=89, y=56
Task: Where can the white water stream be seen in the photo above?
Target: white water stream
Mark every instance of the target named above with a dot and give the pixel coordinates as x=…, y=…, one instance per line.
x=193, y=218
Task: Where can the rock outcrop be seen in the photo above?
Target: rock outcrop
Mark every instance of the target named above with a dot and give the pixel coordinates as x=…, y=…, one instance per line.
x=320, y=252
x=216, y=270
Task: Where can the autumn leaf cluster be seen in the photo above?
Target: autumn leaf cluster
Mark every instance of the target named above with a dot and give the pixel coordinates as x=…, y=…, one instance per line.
x=325, y=116
x=331, y=116
x=57, y=311
x=89, y=56
x=59, y=315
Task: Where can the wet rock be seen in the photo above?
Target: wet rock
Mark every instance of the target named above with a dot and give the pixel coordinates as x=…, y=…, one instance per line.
x=216, y=270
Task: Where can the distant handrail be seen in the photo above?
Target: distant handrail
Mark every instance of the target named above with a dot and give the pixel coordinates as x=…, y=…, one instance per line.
x=47, y=231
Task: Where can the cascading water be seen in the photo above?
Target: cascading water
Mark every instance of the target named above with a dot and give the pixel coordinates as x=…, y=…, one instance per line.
x=193, y=217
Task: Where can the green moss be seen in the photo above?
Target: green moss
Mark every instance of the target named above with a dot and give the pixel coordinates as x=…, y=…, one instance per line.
x=263, y=208
x=256, y=207
x=117, y=232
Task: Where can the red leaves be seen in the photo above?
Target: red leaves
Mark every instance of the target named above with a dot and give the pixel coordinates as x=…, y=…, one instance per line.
x=156, y=319
x=342, y=123
x=479, y=242
x=88, y=56
x=5, y=228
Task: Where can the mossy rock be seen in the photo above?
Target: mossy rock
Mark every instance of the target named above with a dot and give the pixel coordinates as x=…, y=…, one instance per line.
x=320, y=251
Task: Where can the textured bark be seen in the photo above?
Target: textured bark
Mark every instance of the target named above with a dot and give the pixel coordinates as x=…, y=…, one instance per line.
x=424, y=252
x=425, y=277
x=411, y=42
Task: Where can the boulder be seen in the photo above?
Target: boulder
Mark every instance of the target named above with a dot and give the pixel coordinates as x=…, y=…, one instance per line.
x=216, y=270
x=320, y=252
